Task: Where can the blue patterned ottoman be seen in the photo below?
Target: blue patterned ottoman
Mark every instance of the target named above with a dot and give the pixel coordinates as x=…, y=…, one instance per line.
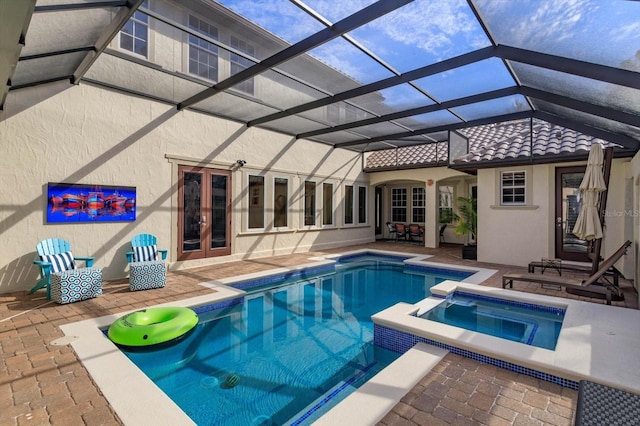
x=147, y=275
x=76, y=284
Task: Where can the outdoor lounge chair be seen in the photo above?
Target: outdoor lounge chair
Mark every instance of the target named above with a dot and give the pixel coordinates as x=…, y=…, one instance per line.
x=58, y=273
x=559, y=267
x=590, y=284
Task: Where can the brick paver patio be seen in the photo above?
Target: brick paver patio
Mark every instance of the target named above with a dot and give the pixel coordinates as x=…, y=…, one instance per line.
x=43, y=383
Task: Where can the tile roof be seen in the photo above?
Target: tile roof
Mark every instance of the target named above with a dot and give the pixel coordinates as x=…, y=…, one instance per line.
x=490, y=142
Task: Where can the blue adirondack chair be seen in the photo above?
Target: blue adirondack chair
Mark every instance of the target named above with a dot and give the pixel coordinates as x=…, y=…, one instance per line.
x=49, y=247
x=144, y=240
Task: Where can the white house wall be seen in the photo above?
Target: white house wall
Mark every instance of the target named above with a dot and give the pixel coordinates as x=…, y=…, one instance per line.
x=86, y=134
x=634, y=212
x=516, y=235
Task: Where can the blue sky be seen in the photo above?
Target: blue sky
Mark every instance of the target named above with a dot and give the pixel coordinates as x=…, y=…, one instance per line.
x=427, y=31
x=604, y=31
x=424, y=32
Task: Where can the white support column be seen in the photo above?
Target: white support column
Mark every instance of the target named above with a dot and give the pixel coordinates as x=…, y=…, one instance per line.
x=431, y=236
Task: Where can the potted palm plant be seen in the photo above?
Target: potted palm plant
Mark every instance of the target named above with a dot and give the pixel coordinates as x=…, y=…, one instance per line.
x=467, y=224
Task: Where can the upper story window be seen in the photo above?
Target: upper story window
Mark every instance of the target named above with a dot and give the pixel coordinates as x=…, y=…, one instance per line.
x=134, y=35
x=239, y=63
x=399, y=204
x=203, y=56
x=513, y=188
x=417, y=205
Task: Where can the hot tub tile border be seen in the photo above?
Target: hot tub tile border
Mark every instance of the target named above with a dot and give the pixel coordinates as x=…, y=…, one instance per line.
x=400, y=342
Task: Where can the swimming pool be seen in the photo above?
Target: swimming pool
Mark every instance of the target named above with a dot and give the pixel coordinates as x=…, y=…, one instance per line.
x=530, y=324
x=297, y=345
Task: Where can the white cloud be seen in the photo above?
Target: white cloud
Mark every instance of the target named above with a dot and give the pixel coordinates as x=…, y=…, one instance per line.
x=334, y=11
x=279, y=17
x=537, y=23
x=626, y=33
x=433, y=26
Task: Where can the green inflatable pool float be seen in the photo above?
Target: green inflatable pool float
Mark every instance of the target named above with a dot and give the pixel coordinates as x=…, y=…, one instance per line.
x=152, y=326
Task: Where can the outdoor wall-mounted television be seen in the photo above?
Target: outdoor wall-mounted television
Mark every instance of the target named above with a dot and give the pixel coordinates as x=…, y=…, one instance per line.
x=77, y=203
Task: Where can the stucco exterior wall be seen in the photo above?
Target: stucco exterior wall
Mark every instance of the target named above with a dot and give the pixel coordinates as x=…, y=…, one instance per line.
x=86, y=134
x=516, y=235
x=634, y=170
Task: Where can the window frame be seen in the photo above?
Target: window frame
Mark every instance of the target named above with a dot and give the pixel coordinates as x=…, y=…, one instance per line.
x=328, y=213
x=203, y=49
x=349, y=207
x=362, y=205
x=396, y=206
x=237, y=60
x=314, y=208
x=275, y=202
x=136, y=19
x=512, y=186
x=450, y=203
x=250, y=200
x=416, y=207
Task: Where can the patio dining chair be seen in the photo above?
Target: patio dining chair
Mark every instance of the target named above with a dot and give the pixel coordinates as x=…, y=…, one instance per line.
x=415, y=233
x=65, y=282
x=401, y=231
x=442, y=229
x=391, y=228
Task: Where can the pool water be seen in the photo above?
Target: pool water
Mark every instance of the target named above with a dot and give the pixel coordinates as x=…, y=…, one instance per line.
x=288, y=353
x=525, y=323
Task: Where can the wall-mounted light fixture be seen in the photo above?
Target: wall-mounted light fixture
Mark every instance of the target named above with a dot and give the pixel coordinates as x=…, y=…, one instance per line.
x=241, y=163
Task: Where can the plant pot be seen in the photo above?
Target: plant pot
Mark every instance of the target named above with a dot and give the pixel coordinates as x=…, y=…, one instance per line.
x=470, y=252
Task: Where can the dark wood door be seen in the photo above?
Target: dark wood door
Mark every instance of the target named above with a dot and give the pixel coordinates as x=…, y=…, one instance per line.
x=204, y=213
x=568, y=202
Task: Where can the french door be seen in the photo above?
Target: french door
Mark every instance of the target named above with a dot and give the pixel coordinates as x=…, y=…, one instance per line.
x=204, y=212
x=568, y=203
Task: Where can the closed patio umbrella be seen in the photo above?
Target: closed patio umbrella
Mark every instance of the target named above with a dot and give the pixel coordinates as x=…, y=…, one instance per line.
x=588, y=226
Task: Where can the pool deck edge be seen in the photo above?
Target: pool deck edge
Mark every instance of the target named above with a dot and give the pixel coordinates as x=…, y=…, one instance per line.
x=603, y=350
x=385, y=389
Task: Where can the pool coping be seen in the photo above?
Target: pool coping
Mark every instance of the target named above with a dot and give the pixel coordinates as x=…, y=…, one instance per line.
x=604, y=351
x=128, y=389
x=480, y=274
x=383, y=391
